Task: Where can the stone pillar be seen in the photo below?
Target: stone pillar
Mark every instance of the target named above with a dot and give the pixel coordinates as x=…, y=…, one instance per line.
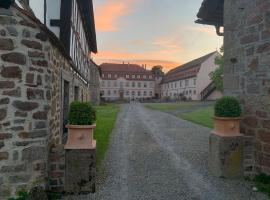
x=80, y=171
x=226, y=156
x=247, y=72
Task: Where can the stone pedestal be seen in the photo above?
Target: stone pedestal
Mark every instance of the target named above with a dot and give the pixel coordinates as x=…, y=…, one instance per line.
x=80, y=171
x=226, y=156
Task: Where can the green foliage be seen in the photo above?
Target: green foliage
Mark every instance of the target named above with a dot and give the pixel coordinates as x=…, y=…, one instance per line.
x=262, y=182
x=217, y=75
x=54, y=196
x=228, y=107
x=81, y=113
x=157, y=70
x=21, y=195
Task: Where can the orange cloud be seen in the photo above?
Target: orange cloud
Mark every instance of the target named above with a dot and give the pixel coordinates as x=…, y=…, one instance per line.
x=108, y=13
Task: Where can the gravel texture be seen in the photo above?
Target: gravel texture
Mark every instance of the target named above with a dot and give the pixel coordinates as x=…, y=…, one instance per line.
x=157, y=156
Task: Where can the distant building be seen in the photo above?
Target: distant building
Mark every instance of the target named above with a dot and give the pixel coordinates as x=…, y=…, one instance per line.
x=126, y=82
x=191, y=80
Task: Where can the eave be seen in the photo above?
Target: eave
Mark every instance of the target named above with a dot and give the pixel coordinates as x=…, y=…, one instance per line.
x=211, y=13
x=86, y=8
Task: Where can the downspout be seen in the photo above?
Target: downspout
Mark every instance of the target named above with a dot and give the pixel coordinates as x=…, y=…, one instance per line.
x=45, y=12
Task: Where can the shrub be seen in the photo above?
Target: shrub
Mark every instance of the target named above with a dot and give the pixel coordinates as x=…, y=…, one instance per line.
x=228, y=107
x=81, y=113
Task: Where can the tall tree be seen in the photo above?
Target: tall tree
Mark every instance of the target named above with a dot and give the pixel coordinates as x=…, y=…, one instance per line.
x=217, y=75
x=157, y=70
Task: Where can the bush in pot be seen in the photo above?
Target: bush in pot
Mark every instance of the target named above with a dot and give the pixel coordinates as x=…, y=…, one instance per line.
x=227, y=116
x=81, y=123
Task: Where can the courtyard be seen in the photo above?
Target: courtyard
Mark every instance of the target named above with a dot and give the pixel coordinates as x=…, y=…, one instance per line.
x=157, y=155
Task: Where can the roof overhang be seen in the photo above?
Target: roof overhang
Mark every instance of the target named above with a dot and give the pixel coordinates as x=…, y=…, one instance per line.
x=211, y=13
x=86, y=7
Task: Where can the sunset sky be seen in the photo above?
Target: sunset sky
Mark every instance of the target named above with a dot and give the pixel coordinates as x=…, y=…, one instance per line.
x=151, y=32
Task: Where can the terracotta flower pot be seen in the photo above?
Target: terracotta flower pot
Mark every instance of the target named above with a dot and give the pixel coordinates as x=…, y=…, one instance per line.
x=227, y=126
x=80, y=137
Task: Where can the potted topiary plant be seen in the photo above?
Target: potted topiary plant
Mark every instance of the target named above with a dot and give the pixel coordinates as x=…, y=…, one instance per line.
x=81, y=123
x=227, y=117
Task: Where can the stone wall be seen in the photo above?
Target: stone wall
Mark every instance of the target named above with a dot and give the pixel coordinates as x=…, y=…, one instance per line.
x=33, y=68
x=247, y=73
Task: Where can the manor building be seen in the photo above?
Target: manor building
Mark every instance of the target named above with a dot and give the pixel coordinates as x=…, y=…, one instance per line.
x=191, y=81
x=126, y=82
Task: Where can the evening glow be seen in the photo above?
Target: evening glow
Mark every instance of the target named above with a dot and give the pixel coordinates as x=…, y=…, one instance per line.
x=151, y=32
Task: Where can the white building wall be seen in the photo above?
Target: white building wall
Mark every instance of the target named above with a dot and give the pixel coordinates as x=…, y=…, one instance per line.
x=111, y=89
x=203, y=78
x=187, y=87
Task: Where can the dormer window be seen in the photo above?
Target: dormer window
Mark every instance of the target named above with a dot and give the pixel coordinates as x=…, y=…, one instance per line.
x=133, y=76
x=109, y=76
x=127, y=76
x=138, y=76
x=150, y=77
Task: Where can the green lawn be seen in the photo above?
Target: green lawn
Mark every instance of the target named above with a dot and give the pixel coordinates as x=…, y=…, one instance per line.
x=106, y=117
x=202, y=116
x=170, y=106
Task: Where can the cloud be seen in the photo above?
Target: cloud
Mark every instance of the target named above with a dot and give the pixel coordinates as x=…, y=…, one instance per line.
x=204, y=29
x=109, y=12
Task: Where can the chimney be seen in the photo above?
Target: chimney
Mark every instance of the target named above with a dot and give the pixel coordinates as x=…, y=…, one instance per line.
x=123, y=62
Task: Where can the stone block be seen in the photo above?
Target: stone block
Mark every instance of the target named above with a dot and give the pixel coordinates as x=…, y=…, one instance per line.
x=80, y=174
x=226, y=156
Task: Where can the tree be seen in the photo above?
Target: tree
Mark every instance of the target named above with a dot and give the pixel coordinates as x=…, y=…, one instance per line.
x=217, y=75
x=157, y=70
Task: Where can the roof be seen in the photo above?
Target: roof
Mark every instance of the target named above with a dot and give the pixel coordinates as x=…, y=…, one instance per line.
x=211, y=13
x=187, y=70
x=113, y=67
x=86, y=7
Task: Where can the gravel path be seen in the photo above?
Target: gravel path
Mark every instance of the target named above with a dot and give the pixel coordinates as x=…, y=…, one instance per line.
x=156, y=156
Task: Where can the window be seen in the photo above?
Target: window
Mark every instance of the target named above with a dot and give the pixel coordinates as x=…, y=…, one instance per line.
x=109, y=92
x=127, y=93
x=139, y=84
x=144, y=76
x=139, y=93
x=138, y=76
x=115, y=84
x=127, y=76
x=144, y=93
x=133, y=93
x=145, y=84
x=194, y=92
x=127, y=84
x=115, y=92
x=109, y=83
x=109, y=75
x=133, y=76
x=150, y=76
x=151, y=84
x=115, y=76
x=133, y=84
x=175, y=85
x=151, y=93
x=186, y=82
x=189, y=91
x=103, y=83
x=194, y=81
x=180, y=83
x=102, y=92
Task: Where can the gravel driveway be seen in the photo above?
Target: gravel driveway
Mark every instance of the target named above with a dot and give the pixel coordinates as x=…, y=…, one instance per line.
x=155, y=156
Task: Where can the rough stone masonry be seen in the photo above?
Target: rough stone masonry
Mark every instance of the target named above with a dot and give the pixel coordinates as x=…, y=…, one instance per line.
x=33, y=66
x=247, y=74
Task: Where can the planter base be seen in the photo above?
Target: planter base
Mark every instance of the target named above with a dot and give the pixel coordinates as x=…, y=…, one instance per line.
x=226, y=156
x=80, y=171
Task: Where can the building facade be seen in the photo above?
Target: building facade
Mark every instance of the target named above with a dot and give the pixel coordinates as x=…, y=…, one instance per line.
x=40, y=74
x=126, y=82
x=247, y=70
x=191, y=81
